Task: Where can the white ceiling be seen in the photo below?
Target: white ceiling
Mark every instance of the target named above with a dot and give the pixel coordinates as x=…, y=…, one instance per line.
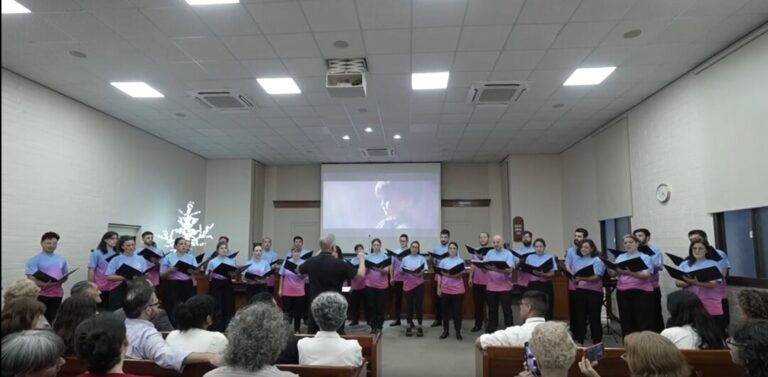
x=175, y=47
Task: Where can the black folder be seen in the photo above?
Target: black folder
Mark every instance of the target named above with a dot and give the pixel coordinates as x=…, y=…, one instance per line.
x=616, y=252
x=224, y=269
x=185, y=268
x=233, y=255
x=438, y=256
x=703, y=275
x=251, y=276
x=413, y=272
x=382, y=264
x=128, y=272
x=675, y=259
x=109, y=259
x=45, y=278
x=544, y=267
x=520, y=256
x=147, y=253
x=279, y=261
x=479, y=252
x=645, y=249
x=715, y=255
x=584, y=272
x=500, y=264
x=290, y=266
x=399, y=254
x=450, y=271
x=634, y=264
x=201, y=257
x=307, y=255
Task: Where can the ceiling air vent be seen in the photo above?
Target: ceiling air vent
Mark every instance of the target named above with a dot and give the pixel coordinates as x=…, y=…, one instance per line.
x=223, y=100
x=495, y=93
x=377, y=152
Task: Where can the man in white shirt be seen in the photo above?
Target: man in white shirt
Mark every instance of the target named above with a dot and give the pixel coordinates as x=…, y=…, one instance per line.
x=533, y=306
x=327, y=347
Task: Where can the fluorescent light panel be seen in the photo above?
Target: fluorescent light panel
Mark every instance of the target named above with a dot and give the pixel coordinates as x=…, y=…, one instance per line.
x=429, y=80
x=138, y=89
x=211, y=2
x=588, y=76
x=282, y=85
x=12, y=7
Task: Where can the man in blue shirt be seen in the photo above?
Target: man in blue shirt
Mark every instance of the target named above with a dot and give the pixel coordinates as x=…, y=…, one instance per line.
x=442, y=250
x=53, y=265
x=644, y=235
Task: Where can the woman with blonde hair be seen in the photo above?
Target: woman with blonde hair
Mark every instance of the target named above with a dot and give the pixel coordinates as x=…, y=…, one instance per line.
x=553, y=348
x=19, y=289
x=647, y=355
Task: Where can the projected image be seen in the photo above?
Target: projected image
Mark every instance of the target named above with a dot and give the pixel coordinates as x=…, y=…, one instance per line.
x=385, y=204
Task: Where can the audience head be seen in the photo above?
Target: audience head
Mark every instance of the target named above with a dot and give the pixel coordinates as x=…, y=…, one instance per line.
x=196, y=313
x=88, y=289
x=327, y=242
x=22, y=288
x=262, y=297
x=100, y=342
x=49, y=241
x=753, y=304
x=533, y=304
x=257, y=334
x=587, y=248
x=140, y=300
x=685, y=308
x=23, y=314
x=553, y=347
x=73, y=310
x=749, y=346
x=108, y=241
x=650, y=354
x=329, y=309
x=32, y=353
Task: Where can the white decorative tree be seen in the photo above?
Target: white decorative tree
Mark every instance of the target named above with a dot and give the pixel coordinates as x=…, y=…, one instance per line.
x=187, y=221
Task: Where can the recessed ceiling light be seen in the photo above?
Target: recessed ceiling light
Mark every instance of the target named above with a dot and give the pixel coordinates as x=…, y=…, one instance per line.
x=557, y=105
x=431, y=80
x=368, y=129
x=281, y=85
x=397, y=137
x=588, y=76
x=138, y=89
x=211, y=2
x=345, y=137
x=78, y=54
x=341, y=44
x=11, y=7
x=181, y=115
x=632, y=34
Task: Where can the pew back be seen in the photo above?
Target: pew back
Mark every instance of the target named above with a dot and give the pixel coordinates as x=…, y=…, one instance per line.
x=371, y=345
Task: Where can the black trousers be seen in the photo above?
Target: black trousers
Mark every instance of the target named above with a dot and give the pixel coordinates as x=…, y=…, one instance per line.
x=117, y=297
x=478, y=300
x=176, y=292
x=452, y=307
x=254, y=289
x=437, y=306
x=306, y=314
x=587, y=305
x=635, y=310
x=572, y=308
x=724, y=320
x=104, y=304
x=494, y=299
x=398, y=293
x=52, y=305
x=414, y=302
x=549, y=290
x=294, y=307
x=356, y=303
x=658, y=320
x=377, y=299
x=224, y=293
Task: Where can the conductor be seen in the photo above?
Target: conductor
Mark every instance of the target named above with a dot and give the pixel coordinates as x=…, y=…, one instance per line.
x=327, y=273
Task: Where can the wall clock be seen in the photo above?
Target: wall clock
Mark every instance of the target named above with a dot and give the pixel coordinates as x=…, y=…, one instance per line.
x=662, y=193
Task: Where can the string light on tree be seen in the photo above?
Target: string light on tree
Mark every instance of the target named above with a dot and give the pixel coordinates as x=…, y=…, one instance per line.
x=187, y=222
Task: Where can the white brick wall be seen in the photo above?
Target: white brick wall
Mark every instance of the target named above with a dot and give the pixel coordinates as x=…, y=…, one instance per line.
x=69, y=168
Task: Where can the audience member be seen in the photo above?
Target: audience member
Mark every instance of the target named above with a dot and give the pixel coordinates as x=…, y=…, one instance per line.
x=533, y=307
x=23, y=314
x=160, y=319
x=32, y=353
x=753, y=304
x=144, y=341
x=749, y=347
x=290, y=354
x=73, y=310
x=101, y=344
x=88, y=289
x=193, y=319
x=257, y=335
x=689, y=325
x=327, y=347
x=647, y=354
x=553, y=348
x=22, y=288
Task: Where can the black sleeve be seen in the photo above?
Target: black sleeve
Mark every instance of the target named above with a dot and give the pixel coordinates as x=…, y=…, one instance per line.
x=290, y=354
x=350, y=271
x=162, y=322
x=305, y=267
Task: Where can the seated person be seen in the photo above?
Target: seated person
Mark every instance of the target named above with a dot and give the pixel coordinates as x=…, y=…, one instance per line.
x=23, y=314
x=647, y=354
x=19, y=289
x=748, y=347
x=554, y=349
x=160, y=320
x=753, y=304
x=72, y=311
x=100, y=343
x=193, y=318
x=144, y=341
x=256, y=336
x=32, y=353
x=533, y=307
x=689, y=325
x=88, y=289
x=290, y=354
x=327, y=347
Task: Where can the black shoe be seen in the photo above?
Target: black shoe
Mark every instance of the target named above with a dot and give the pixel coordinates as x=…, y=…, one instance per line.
x=419, y=332
x=444, y=334
x=394, y=323
x=409, y=331
x=436, y=324
x=458, y=336
x=476, y=328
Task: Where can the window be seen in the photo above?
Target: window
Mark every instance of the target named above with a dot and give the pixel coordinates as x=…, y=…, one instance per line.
x=743, y=234
x=124, y=229
x=613, y=231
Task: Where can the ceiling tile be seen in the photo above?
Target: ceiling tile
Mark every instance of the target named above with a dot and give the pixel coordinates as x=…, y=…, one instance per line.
x=30, y=27
x=128, y=23
x=465, y=79
x=652, y=9
x=650, y=28
x=331, y=15
x=533, y=37
x=284, y=17
x=52, y=5
x=754, y=7
x=428, y=13
x=435, y=39
x=584, y=34
x=519, y=60
x=294, y=45
x=265, y=68
x=226, y=70
x=83, y=26
x=160, y=49
x=492, y=12
x=520, y=75
x=483, y=38
x=563, y=58
x=204, y=48
x=390, y=14
x=395, y=63
x=393, y=41
x=230, y=19
x=475, y=61
x=249, y=47
x=177, y=21
x=354, y=40
x=303, y=67
x=602, y=10
x=547, y=11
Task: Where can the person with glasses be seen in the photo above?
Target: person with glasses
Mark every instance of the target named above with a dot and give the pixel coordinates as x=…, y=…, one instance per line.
x=701, y=256
x=647, y=354
x=145, y=342
x=749, y=345
x=533, y=306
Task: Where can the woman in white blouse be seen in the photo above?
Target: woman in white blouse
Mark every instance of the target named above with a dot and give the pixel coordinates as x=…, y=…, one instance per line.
x=193, y=318
x=689, y=325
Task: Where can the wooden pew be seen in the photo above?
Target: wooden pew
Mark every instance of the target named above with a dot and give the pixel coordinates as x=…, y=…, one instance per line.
x=371, y=345
x=74, y=367
x=508, y=361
